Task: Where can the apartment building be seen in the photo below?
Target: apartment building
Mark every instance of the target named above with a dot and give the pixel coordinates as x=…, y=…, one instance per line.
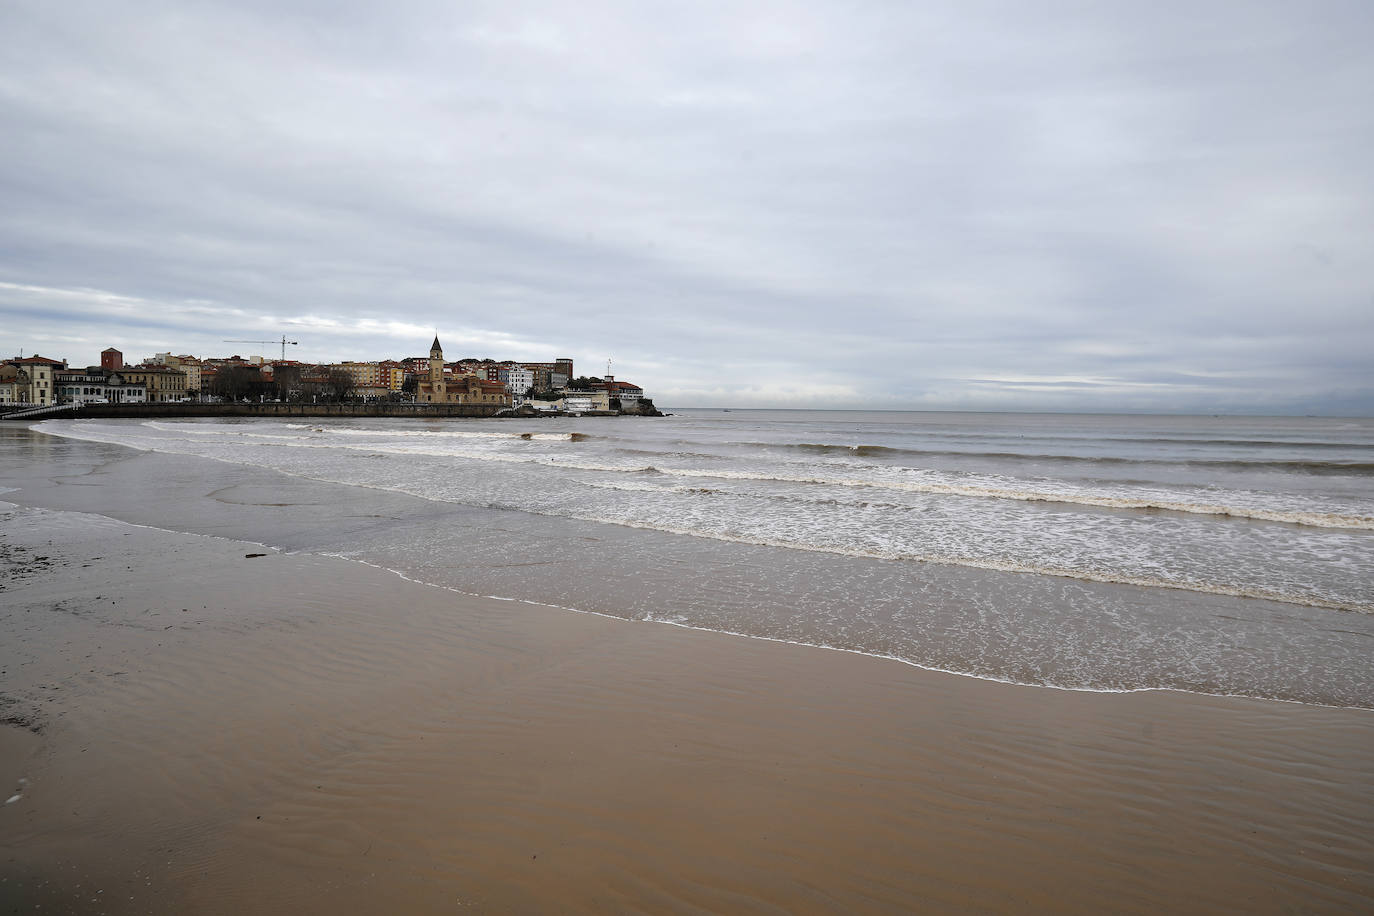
x=392, y=374
x=163, y=383
x=516, y=380
x=9, y=384
x=364, y=375
x=188, y=364
x=33, y=383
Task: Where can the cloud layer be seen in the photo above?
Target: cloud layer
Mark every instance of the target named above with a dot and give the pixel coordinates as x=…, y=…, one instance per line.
x=1091, y=206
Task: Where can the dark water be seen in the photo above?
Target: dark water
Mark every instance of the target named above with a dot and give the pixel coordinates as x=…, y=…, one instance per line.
x=1219, y=555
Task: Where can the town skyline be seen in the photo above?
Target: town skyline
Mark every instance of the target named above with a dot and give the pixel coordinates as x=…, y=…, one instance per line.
x=44, y=382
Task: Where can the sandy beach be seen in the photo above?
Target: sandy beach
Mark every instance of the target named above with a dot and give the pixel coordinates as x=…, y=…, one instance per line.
x=201, y=724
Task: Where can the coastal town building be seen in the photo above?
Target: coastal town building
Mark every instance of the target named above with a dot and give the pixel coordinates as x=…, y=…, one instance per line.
x=364, y=375
x=163, y=383
x=97, y=385
x=552, y=375
x=517, y=380
x=33, y=380
x=187, y=364
x=439, y=388
x=110, y=358
x=9, y=384
x=392, y=374
x=583, y=401
x=628, y=395
x=285, y=377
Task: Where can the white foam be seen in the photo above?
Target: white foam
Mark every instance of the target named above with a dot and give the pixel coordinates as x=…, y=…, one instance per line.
x=1010, y=566
x=978, y=676
x=1014, y=490
x=929, y=482
x=1101, y=558
x=1315, y=519
x=822, y=640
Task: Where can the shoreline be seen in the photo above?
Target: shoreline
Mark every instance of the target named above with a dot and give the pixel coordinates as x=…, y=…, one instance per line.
x=733, y=634
x=287, y=732
x=257, y=510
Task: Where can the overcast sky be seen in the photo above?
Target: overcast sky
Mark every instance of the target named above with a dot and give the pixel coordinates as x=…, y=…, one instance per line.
x=989, y=205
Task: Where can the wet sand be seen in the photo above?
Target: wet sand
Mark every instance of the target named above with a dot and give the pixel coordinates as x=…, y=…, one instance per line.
x=202, y=731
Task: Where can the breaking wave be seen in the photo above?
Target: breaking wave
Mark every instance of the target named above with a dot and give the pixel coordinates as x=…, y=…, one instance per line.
x=1313, y=519
x=1010, y=566
x=1014, y=490
x=1338, y=468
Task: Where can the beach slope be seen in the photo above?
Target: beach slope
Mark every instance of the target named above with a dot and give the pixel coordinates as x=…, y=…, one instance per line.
x=200, y=728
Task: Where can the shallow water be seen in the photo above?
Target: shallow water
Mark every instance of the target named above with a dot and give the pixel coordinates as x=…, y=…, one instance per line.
x=1216, y=555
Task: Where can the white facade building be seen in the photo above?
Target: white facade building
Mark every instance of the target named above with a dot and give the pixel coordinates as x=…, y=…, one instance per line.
x=517, y=381
x=97, y=386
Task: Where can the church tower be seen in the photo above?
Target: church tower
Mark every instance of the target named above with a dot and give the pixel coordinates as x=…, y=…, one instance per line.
x=436, y=371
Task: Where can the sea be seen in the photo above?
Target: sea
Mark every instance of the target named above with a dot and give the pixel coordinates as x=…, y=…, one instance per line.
x=1211, y=554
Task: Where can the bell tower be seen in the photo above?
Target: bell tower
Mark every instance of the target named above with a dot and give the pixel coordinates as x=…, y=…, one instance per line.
x=436, y=370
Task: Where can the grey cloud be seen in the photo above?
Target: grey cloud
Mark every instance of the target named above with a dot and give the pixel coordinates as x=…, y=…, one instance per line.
x=874, y=205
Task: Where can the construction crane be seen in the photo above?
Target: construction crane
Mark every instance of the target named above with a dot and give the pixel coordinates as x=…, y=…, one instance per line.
x=283, y=343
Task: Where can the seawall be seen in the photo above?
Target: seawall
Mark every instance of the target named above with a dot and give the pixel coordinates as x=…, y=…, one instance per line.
x=174, y=411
